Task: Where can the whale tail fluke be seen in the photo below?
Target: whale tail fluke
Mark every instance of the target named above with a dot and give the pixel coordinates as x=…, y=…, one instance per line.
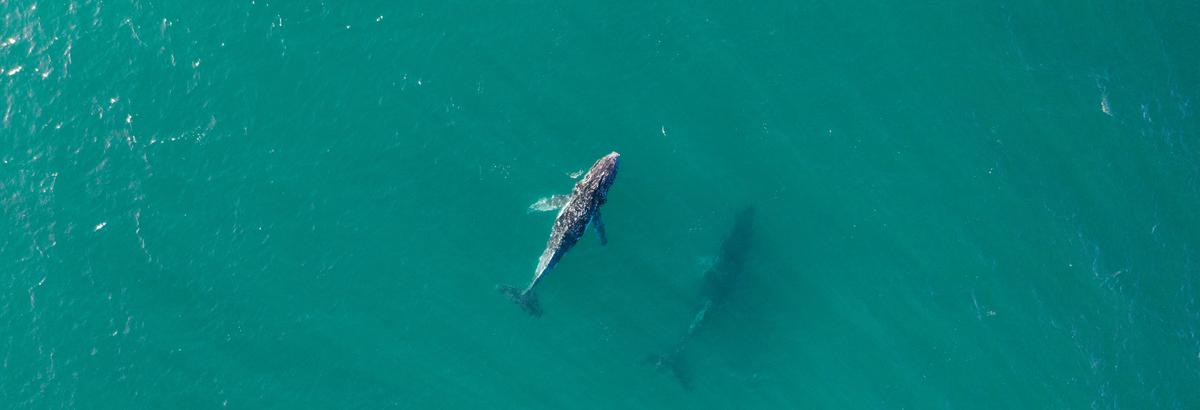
x=675, y=363
x=522, y=297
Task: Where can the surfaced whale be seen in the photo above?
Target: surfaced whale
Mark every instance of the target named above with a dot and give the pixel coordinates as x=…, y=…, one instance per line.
x=577, y=210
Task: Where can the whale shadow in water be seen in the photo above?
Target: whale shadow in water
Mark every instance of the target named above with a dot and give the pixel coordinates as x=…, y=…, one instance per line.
x=718, y=283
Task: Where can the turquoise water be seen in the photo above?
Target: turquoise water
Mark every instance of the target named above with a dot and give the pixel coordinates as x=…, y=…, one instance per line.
x=269, y=204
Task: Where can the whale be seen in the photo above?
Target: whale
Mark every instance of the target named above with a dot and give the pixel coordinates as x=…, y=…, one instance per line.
x=716, y=287
x=576, y=211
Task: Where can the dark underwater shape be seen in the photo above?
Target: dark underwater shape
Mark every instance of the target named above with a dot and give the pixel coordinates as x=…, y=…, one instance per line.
x=580, y=209
x=718, y=282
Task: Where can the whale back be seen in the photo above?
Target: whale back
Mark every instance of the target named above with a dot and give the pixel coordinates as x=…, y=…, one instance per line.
x=589, y=193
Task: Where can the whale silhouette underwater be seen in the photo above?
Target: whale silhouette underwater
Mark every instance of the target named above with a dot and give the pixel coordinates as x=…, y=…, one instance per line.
x=718, y=282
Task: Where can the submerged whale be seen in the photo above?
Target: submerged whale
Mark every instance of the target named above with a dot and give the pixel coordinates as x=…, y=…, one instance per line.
x=718, y=282
x=577, y=210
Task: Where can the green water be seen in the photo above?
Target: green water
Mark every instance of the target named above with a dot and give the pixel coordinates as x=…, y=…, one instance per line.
x=301, y=204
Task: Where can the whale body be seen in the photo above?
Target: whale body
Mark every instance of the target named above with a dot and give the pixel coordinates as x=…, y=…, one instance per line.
x=719, y=280
x=576, y=212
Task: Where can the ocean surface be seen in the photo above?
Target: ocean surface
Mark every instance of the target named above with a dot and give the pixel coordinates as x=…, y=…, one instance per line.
x=308, y=204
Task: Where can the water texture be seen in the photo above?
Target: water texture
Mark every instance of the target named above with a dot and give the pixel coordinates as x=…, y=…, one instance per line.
x=307, y=204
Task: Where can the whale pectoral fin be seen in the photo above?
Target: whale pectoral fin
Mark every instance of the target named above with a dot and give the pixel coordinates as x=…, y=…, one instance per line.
x=598, y=226
x=549, y=203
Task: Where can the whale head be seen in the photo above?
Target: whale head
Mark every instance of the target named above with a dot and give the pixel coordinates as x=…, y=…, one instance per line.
x=603, y=173
x=611, y=161
x=606, y=167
